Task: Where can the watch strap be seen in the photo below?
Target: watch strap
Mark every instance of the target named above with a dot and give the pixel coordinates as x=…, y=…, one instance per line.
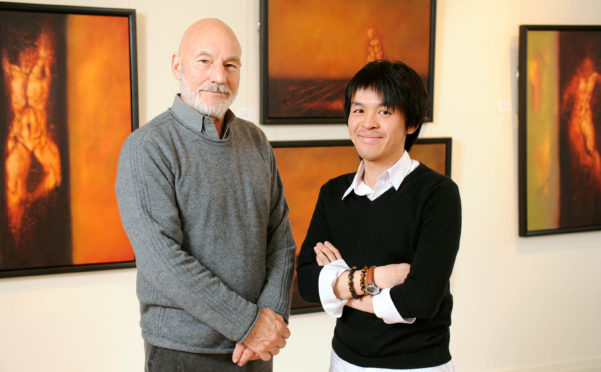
x=369, y=276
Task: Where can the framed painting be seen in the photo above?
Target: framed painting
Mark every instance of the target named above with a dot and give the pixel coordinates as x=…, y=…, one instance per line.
x=559, y=129
x=306, y=165
x=311, y=49
x=68, y=100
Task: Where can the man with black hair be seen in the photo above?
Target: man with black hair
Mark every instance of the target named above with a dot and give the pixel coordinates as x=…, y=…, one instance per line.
x=382, y=242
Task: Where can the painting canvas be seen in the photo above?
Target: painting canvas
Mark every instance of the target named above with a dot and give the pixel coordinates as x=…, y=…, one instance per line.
x=68, y=100
x=560, y=129
x=311, y=49
x=306, y=165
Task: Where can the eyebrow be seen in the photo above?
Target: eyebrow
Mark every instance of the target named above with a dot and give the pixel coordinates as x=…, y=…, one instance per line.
x=359, y=103
x=203, y=53
x=234, y=59
x=208, y=54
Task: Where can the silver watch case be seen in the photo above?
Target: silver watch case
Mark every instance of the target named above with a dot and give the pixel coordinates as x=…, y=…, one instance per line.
x=372, y=289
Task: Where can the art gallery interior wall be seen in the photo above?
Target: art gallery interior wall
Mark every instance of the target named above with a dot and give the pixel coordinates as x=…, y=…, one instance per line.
x=521, y=304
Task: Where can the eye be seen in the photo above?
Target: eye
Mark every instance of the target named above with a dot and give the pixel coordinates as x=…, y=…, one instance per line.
x=385, y=112
x=357, y=111
x=232, y=66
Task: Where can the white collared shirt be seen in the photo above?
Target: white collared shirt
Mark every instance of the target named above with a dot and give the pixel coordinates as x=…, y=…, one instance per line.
x=383, y=306
x=337, y=364
x=392, y=177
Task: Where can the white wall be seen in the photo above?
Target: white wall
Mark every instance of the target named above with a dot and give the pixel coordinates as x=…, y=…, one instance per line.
x=521, y=304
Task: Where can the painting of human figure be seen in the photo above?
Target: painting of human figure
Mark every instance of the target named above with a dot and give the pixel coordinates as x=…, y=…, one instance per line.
x=562, y=130
x=311, y=49
x=33, y=129
x=65, y=109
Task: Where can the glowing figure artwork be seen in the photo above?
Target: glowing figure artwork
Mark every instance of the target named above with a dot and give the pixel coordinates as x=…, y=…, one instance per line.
x=374, y=45
x=29, y=80
x=581, y=129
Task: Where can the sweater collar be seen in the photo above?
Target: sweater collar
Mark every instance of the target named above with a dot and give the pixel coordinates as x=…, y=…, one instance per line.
x=199, y=122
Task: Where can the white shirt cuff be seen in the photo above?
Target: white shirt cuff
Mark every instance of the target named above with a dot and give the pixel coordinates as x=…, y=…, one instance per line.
x=331, y=304
x=384, y=309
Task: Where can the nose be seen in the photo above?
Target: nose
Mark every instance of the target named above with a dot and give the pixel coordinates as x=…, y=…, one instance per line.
x=218, y=73
x=370, y=121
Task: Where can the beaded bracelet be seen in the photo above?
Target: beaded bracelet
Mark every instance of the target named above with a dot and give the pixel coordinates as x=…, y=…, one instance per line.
x=362, y=279
x=350, y=283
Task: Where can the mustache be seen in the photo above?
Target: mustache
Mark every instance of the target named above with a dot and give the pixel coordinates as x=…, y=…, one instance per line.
x=215, y=88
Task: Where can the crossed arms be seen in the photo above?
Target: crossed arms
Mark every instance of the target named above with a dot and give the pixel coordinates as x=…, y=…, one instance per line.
x=386, y=276
x=424, y=232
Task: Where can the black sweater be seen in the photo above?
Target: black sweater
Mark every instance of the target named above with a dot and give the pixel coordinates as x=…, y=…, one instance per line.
x=419, y=224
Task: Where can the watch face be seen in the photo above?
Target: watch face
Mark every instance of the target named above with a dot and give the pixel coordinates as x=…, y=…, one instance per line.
x=372, y=289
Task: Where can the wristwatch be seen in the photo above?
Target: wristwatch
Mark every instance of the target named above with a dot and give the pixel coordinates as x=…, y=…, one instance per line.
x=371, y=287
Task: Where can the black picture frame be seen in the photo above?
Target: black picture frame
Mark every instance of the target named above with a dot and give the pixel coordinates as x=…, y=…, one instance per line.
x=559, y=135
x=305, y=165
x=297, y=93
x=75, y=69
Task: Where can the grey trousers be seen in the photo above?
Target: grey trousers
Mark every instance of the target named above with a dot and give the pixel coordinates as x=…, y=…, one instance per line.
x=159, y=359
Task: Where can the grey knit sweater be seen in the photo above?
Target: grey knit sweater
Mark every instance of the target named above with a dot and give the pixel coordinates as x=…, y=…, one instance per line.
x=208, y=222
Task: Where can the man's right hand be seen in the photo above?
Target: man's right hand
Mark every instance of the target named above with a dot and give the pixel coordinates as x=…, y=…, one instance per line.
x=267, y=337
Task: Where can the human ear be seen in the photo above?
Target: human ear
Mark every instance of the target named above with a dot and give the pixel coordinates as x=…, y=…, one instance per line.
x=176, y=66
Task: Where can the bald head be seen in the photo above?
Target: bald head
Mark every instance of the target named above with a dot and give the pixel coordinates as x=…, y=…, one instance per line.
x=207, y=65
x=212, y=28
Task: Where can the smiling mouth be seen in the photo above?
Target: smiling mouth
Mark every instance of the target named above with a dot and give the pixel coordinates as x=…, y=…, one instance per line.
x=369, y=138
x=216, y=89
x=213, y=92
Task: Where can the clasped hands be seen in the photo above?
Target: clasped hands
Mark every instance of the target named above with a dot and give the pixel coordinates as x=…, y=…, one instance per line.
x=265, y=339
x=386, y=276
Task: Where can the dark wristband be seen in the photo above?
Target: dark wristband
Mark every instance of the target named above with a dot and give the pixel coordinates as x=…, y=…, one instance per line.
x=351, y=286
x=362, y=278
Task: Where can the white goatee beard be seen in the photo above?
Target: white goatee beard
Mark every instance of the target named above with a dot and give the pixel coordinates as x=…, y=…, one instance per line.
x=193, y=98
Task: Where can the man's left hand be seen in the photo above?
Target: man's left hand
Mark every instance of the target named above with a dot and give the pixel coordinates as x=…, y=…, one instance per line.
x=325, y=253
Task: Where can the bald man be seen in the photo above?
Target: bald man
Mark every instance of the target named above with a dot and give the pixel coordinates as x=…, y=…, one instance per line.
x=203, y=206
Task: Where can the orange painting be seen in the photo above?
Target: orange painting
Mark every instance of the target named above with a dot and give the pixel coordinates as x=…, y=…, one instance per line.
x=312, y=48
x=99, y=122
x=66, y=106
x=560, y=129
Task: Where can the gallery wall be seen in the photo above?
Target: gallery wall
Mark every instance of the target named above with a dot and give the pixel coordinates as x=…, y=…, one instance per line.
x=521, y=304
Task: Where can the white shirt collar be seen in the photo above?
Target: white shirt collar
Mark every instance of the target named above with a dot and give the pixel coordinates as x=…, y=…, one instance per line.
x=392, y=177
